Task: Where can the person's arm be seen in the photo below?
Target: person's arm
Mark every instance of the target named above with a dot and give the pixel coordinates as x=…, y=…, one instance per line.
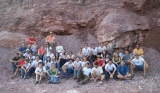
x=48, y=73
x=114, y=61
x=38, y=52
x=119, y=60
x=64, y=68
x=107, y=70
x=114, y=70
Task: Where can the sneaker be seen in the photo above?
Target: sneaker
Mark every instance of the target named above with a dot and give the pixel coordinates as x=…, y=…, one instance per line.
x=94, y=81
x=144, y=76
x=101, y=82
x=39, y=81
x=75, y=77
x=36, y=82
x=132, y=75
x=21, y=77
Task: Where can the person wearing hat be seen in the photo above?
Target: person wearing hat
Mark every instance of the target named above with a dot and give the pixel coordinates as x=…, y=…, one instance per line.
x=26, y=55
x=138, y=50
x=139, y=64
x=50, y=39
x=110, y=70
x=100, y=61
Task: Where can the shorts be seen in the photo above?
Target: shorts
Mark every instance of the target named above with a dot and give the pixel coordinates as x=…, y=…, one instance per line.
x=139, y=67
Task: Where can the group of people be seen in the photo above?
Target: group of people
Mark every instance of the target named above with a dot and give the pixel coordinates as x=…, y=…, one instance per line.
x=90, y=63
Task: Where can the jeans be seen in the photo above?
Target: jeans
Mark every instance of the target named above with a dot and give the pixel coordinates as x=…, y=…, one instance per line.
x=41, y=57
x=31, y=71
x=23, y=74
x=108, y=75
x=13, y=66
x=69, y=71
x=54, y=80
x=58, y=66
x=44, y=58
x=76, y=72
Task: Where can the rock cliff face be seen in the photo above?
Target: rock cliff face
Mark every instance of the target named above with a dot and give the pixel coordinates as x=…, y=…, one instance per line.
x=116, y=23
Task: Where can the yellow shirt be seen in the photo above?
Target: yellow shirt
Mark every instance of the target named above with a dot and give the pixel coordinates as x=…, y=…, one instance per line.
x=138, y=51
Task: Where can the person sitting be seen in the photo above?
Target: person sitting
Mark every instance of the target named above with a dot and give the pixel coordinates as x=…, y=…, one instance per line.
x=34, y=65
x=50, y=39
x=22, y=48
x=31, y=40
x=139, y=64
x=26, y=55
x=48, y=63
x=116, y=59
x=63, y=56
x=84, y=61
x=31, y=58
x=39, y=71
x=70, y=56
x=14, y=61
x=24, y=69
x=77, y=67
x=80, y=54
x=97, y=73
x=41, y=52
x=138, y=50
x=100, y=61
x=118, y=52
x=91, y=58
x=123, y=72
x=53, y=75
x=67, y=68
x=110, y=70
x=94, y=49
x=57, y=62
x=19, y=65
x=47, y=48
x=59, y=48
x=127, y=58
x=84, y=74
x=34, y=48
x=101, y=48
x=104, y=56
x=50, y=54
x=86, y=50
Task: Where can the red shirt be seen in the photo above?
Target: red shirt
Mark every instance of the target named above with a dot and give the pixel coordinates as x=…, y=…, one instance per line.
x=100, y=62
x=41, y=51
x=21, y=62
x=31, y=40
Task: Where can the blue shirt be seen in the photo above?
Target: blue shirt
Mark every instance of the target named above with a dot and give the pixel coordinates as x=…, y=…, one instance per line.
x=22, y=49
x=122, y=69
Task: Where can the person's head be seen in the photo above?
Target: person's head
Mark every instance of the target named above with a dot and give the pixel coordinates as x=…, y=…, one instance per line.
x=116, y=55
x=80, y=50
x=42, y=47
x=110, y=61
x=87, y=64
x=70, y=53
x=50, y=51
x=17, y=54
x=95, y=64
x=23, y=44
x=40, y=64
x=70, y=60
x=137, y=56
x=126, y=52
x=104, y=52
x=30, y=54
x=48, y=58
x=32, y=36
x=137, y=46
x=93, y=45
x=47, y=44
x=117, y=50
x=58, y=43
x=77, y=59
x=22, y=57
x=37, y=57
x=53, y=65
x=84, y=58
x=26, y=61
x=56, y=54
x=90, y=53
x=122, y=62
x=101, y=44
x=98, y=57
x=86, y=45
x=51, y=33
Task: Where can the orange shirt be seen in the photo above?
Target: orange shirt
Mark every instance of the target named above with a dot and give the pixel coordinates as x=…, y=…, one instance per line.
x=50, y=38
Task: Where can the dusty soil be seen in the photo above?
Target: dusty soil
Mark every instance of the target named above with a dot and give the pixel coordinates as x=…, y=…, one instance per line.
x=151, y=84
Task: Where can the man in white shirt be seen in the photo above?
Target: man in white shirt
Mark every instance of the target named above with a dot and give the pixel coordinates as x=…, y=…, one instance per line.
x=86, y=49
x=59, y=48
x=110, y=70
x=94, y=49
x=97, y=73
x=139, y=64
x=101, y=48
x=84, y=74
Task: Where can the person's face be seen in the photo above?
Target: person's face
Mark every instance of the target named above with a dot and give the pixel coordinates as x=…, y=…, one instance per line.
x=93, y=46
x=17, y=55
x=116, y=55
x=96, y=66
x=70, y=53
x=70, y=61
x=117, y=51
x=101, y=44
x=85, y=59
x=104, y=52
x=53, y=66
x=77, y=59
x=32, y=36
x=137, y=46
x=56, y=54
x=137, y=56
x=37, y=58
x=80, y=50
x=86, y=45
x=58, y=43
x=23, y=44
x=25, y=62
x=51, y=34
x=30, y=54
x=122, y=63
x=48, y=58
x=126, y=52
x=41, y=47
x=110, y=62
x=40, y=65
x=87, y=65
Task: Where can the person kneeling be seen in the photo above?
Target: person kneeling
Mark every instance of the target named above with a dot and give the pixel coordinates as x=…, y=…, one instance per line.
x=110, y=70
x=83, y=74
x=97, y=73
x=39, y=73
x=139, y=64
x=53, y=75
x=123, y=72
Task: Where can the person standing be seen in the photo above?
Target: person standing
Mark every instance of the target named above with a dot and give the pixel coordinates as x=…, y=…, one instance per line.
x=50, y=39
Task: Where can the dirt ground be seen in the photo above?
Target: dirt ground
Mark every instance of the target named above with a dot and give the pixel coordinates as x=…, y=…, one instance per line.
x=151, y=84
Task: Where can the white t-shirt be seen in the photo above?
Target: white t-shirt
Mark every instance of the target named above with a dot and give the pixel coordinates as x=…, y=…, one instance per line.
x=68, y=57
x=110, y=67
x=86, y=51
x=100, y=49
x=27, y=65
x=94, y=50
x=83, y=63
x=77, y=64
x=59, y=49
x=138, y=61
x=86, y=71
x=69, y=65
x=40, y=70
x=47, y=49
x=50, y=55
x=26, y=55
x=98, y=70
x=35, y=63
x=49, y=64
x=62, y=56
